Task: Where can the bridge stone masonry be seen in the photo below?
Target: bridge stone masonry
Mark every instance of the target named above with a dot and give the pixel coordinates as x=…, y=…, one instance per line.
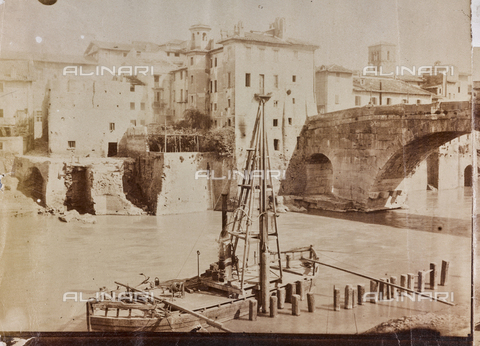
x=355, y=159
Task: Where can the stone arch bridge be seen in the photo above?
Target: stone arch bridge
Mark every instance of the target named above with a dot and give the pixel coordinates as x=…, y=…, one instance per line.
x=361, y=155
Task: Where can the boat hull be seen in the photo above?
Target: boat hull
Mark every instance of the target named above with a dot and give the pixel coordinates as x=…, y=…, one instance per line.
x=176, y=322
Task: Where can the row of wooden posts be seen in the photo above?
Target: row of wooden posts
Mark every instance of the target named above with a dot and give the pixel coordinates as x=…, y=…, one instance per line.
x=291, y=293
x=383, y=291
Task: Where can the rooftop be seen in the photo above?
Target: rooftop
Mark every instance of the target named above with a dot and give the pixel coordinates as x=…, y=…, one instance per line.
x=388, y=85
x=334, y=68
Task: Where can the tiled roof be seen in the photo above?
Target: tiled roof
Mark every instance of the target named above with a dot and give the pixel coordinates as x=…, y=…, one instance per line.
x=334, y=68
x=267, y=38
x=53, y=58
x=387, y=85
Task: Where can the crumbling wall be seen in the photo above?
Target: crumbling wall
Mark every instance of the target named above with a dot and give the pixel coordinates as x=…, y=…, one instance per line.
x=107, y=189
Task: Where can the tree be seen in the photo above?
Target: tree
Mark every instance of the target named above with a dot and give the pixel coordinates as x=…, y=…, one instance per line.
x=195, y=119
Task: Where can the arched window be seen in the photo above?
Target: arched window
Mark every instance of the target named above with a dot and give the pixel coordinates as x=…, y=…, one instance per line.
x=204, y=36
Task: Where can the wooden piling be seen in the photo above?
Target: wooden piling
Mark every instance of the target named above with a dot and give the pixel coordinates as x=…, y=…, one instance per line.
x=388, y=290
x=411, y=281
x=301, y=289
x=373, y=292
x=336, y=299
x=354, y=297
x=421, y=280
x=295, y=305
x=252, y=310
x=311, y=302
x=348, y=297
x=433, y=276
x=393, y=290
x=281, y=297
x=444, y=273
x=273, y=306
x=361, y=294
x=288, y=262
x=403, y=280
x=289, y=292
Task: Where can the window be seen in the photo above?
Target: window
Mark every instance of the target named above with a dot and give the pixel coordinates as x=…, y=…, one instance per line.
x=181, y=95
x=142, y=106
x=374, y=100
x=275, y=122
x=419, y=102
x=388, y=55
x=174, y=97
x=215, y=62
x=261, y=84
x=124, y=55
x=289, y=121
x=337, y=99
x=389, y=101
x=276, y=144
x=71, y=144
x=229, y=103
x=177, y=54
x=133, y=122
x=275, y=81
x=249, y=53
x=211, y=86
x=358, y=101
x=191, y=60
x=275, y=55
x=1, y=113
x=204, y=36
x=112, y=126
x=293, y=100
x=181, y=75
x=262, y=54
x=405, y=101
x=229, y=80
x=275, y=103
x=229, y=122
x=215, y=107
x=294, y=78
x=1, y=145
x=458, y=89
x=215, y=86
x=132, y=88
x=132, y=106
x=138, y=53
x=247, y=79
x=191, y=99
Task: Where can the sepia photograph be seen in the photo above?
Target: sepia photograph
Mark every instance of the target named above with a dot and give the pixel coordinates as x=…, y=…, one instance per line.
x=239, y=170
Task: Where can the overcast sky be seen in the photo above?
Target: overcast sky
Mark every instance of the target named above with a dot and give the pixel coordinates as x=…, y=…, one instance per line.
x=425, y=31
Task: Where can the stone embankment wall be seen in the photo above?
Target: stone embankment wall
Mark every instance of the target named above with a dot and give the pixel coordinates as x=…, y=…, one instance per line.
x=164, y=183
x=93, y=186
x=160, y=183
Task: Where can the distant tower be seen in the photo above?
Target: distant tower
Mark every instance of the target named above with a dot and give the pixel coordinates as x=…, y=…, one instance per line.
x=199, y=36
x=383, y=55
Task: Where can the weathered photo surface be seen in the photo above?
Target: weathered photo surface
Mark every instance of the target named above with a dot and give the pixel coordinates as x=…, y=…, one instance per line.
x=237, y=166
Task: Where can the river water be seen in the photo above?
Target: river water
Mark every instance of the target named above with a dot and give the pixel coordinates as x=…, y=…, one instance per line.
x=43, y=259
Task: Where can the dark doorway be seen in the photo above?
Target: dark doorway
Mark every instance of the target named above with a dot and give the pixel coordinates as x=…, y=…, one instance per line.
x=112, y=149
x=319, y=175
x=78, y=194
x=34, y=186
x=468, y=176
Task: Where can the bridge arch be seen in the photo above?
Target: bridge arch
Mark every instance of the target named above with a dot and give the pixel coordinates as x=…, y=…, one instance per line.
x=319, y=172
x=403, y=161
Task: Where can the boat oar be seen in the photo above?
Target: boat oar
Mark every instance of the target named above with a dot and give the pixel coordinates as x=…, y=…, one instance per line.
x=181, y=308
x=378, y=280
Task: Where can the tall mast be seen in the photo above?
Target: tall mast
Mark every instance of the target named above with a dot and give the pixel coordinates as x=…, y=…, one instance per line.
x=264, y=251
